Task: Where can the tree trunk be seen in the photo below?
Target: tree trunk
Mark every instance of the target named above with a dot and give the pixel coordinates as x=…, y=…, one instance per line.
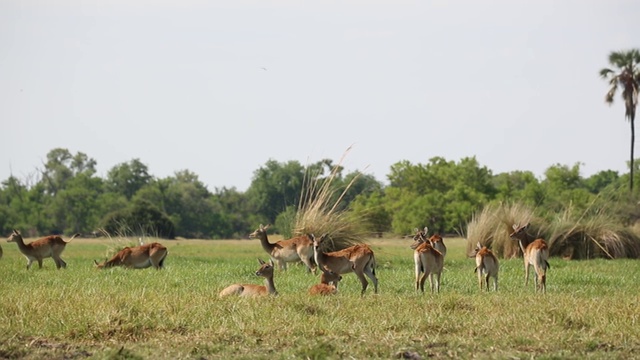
x=633, y=138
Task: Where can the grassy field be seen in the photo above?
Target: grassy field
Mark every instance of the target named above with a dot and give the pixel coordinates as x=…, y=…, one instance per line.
x=591, y=309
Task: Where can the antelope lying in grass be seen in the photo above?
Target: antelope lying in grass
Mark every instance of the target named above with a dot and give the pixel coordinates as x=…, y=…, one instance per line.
x=428, y=261
x=296, y=249
x=266, y=271
x=328, y=284
x=486, y=266
x=50, y=246
x=138, y=257
x=358, y=259
x=535, y=253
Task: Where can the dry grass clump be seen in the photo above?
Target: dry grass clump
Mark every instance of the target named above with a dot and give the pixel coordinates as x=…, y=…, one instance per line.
x=492, y=225
x=319, y=212
x=594, y=235
x=571, y=236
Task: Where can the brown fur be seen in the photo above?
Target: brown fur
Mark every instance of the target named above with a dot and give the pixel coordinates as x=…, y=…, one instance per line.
x=284, y=251
x=266, y=271
x=358, y=259
x=535, y=253
x=50, y=246
x=486, y=265
x=430, y=262
x=328, y=284
x=436, y=240
x=138, y=257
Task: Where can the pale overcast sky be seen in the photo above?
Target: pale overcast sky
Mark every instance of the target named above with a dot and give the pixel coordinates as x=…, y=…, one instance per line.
x=221, y=87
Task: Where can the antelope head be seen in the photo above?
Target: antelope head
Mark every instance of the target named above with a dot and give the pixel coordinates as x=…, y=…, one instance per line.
x=259, y=232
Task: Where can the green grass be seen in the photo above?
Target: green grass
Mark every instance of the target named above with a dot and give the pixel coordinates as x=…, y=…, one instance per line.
x=590, y=309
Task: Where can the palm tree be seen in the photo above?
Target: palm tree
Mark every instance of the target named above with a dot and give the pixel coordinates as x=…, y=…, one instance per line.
x=627, y=77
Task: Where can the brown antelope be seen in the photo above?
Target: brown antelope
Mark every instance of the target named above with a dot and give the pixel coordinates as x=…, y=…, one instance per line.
x=138, y=257
x=436, y=240
x=266, y=271
x=296, y=249
x=486, y=266
x=535, y=253
x=50, y=246
x=428, y=260
x=358, y=259
x=328, y=284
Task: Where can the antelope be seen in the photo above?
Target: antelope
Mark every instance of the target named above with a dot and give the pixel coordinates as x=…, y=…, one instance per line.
x=436, y=240
x=296, y=249
x=487, y=266
x=49, y=246
x=266, y=271
x=428, y=260
x=358, y=259
x=328, y=284
x=138, y=257
x=535, y=253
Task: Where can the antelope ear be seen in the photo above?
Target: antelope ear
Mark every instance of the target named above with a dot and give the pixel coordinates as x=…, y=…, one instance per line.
x=272, y=263
x=415, y=230
x=426, y=230
x=478, y=246
x=515, y=226
x=266, y=227
x=261, y=262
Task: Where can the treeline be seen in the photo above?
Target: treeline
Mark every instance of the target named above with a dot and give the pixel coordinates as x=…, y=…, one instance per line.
x=66, y=196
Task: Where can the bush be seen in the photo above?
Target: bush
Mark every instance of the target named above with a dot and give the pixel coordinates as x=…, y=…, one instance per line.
x=142, y=218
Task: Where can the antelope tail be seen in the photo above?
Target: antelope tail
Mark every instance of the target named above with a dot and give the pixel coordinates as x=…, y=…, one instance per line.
x=73, y=237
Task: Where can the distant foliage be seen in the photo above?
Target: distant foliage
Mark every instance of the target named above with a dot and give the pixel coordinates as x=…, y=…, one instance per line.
x=140, y=219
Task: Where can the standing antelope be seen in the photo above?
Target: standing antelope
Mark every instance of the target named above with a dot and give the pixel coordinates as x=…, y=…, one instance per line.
x=358, y=259
x=328, y=283
x=266, y=271
x=436, y=240
x=50, y=246
x=535, y=253
x=428, y=260
x=138, y=257
x=296, y=249
x=487, y=266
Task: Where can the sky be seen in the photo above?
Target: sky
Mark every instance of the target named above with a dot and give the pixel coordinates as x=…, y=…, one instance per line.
x=221, y=87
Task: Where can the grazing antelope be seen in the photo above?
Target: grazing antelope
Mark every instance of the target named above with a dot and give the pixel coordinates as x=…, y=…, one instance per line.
x=328, y=284
x=296, y=249
x=138, y=257
x=535, y=253
x=266, y=271
x=486, y=266
x=358, y=259
x=50, y=246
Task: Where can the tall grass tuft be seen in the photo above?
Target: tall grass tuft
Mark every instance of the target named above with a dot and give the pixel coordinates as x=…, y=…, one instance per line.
x=320, y=211
x=591, y=235
x=492, y=225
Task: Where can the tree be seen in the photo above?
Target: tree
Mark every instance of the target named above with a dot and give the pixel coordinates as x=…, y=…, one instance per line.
x=61, y=166
x=274, y=187
x=626, y=76
x=128, y=178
